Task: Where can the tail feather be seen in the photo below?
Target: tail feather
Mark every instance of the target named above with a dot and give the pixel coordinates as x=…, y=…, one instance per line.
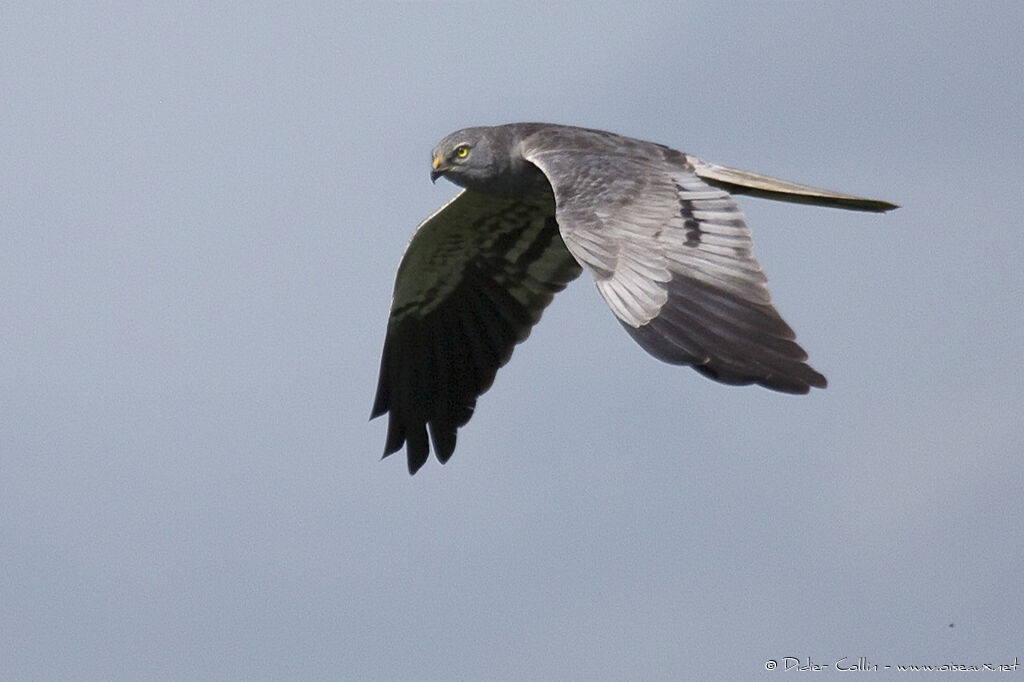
x=738, y=181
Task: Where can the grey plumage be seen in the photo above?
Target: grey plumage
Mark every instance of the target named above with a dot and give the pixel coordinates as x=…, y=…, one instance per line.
x=658, y=229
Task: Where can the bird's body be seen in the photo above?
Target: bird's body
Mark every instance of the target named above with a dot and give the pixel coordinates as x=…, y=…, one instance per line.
x=658, y=230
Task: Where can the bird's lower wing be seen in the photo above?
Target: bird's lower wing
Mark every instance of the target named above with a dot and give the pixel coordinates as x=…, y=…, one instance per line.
x=473, y=281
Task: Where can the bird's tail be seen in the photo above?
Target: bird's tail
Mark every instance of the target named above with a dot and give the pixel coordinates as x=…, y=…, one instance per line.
x=738, y=181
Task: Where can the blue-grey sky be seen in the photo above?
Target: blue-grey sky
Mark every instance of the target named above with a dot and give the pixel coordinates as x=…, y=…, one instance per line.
x=202, y=209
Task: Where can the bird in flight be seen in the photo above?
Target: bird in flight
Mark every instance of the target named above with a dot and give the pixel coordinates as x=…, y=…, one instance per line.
x=657, y=229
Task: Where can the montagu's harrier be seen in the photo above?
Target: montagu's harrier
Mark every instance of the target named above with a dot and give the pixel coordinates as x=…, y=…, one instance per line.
x=658, y=230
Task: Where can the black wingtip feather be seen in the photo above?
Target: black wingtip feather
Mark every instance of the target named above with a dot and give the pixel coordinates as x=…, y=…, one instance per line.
x=418, y=448
x=443, y=435
x=382, y=400
x=396, y=436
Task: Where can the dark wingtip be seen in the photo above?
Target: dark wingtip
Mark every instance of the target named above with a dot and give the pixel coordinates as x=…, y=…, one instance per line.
x=415, y=464
x=815, y=379
x=800, y=381
x=443, y=435
x=417, y=446
x=881, y=206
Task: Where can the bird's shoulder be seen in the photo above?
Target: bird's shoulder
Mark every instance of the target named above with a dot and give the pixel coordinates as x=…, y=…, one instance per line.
x=546, y=139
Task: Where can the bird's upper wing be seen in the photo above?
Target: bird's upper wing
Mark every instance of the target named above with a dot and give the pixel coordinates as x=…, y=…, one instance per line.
x=671, y=255
x=473, y=281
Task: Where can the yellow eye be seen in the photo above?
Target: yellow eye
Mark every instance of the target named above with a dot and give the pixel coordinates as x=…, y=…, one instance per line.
x=462, y=151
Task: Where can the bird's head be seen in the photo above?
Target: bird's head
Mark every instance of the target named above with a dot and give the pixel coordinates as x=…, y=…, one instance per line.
x=466, y=157
x=489, y=160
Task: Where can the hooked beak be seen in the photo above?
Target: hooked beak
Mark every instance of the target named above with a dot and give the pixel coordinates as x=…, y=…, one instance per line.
x=439, y=168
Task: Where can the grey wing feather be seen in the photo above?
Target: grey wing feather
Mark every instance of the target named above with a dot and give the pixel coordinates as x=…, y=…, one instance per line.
x=473, y=281
x=672, y=257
